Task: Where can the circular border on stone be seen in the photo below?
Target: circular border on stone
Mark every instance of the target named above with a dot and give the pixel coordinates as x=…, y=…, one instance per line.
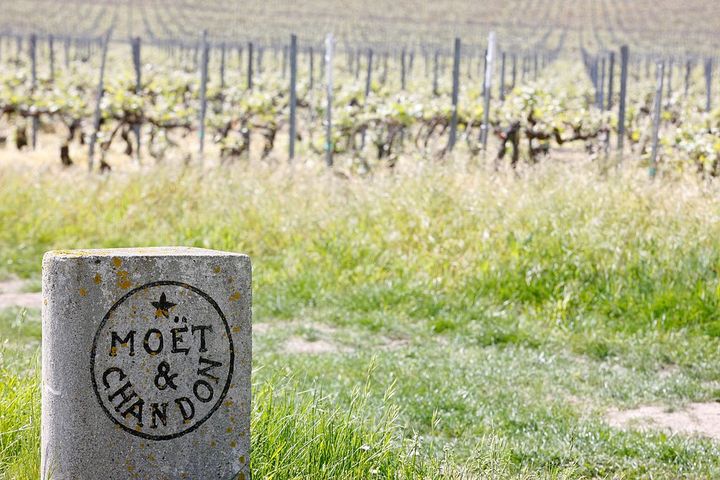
x=230, y=368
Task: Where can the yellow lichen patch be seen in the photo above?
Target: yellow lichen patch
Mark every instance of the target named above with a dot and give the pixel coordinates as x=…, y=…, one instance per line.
x=236, y=329
x=97, y=279
x=235, y=297
x=213, y=443
x=228, y=403
x=241, y=476
x=124, y=280
x=233, y=444
x=83, y=292
x=113, y=351
x=242, y=459
x=229, y=430
x=217, y=269
x=117, y=262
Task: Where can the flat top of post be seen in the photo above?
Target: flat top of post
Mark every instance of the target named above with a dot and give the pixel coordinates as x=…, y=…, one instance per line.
x=141, y=252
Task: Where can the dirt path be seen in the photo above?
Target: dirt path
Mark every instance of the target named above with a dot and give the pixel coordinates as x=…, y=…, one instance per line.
x=695, y=419
x=12, y=295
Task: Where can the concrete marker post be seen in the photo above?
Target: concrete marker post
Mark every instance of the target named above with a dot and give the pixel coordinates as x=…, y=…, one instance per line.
x=146, y=364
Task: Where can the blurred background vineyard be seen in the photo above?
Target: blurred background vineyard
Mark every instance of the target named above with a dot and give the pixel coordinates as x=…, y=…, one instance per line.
x=185, y=79
x=646, y=25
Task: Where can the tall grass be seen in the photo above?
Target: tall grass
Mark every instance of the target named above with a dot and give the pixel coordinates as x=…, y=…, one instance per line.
x=436, y=245
x=302, y=434
x=554, y=262
x=295, y=434
x=19, y=426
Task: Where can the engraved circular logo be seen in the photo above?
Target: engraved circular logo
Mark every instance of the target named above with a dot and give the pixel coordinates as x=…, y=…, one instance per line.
x=162, y=360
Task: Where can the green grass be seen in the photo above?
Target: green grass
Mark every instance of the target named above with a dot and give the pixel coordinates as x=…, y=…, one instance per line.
x=482, y=324
x=19, y=425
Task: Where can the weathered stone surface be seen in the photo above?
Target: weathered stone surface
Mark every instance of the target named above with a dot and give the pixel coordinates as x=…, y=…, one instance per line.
x=146, y=359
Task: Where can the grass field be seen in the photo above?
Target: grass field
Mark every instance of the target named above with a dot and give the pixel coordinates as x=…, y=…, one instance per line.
x=439, y=322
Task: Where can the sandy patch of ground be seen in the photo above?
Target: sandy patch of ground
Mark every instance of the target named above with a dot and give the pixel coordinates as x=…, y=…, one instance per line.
x=694, y=419
x=668, y=371
x=12, y=295
x=261, y=328
x=301, y=345
x=297, y=344
x=318, y=338
x=393, y=343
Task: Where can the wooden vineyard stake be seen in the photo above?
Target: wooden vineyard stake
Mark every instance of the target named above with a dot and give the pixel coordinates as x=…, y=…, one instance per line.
x=33, y=77
x=284, y=61
x=502, y=77
x=250, y=66
x=368, y=85
x=611, y=81
x=435, y=73
x=222, y=66
x=708, y=84
x=137, y=64
x=487, y=87
x=601, y=85
x=657, y=111
x=624, y=54
x=329, y=146
x=51, y=48
x=455, y=86
x=100, y=92
x=203, y=93
x=311, y=68
x=293, y=94
x=368, y=77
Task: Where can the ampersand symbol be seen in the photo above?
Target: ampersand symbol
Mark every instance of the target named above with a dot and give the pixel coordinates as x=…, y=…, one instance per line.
x=165, y=376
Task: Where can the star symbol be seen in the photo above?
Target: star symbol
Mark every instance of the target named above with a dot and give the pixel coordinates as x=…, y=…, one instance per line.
x=162, y=307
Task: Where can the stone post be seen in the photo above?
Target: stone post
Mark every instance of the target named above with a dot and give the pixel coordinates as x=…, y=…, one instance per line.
x=146, y=361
